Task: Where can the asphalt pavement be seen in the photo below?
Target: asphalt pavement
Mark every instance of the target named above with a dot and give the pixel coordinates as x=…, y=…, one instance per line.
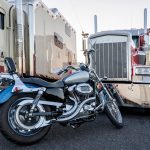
x=97, y=135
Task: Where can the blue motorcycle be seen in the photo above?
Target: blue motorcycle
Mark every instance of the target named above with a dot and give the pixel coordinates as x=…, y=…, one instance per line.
x=30, y=106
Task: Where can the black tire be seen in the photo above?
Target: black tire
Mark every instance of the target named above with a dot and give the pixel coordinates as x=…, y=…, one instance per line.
x=9, y=132
x=114, y=93
x=113, y=113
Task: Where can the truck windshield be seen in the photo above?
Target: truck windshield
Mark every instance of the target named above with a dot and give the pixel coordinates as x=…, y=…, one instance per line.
x=135, y=40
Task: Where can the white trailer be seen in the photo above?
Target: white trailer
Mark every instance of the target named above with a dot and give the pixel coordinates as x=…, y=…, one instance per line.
x=43, y=41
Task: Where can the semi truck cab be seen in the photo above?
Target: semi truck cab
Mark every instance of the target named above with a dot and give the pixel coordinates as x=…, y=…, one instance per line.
x=124, y=57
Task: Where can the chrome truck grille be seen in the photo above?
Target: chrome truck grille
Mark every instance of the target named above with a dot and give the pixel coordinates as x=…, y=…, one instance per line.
x=112, y=57
x=111, y=60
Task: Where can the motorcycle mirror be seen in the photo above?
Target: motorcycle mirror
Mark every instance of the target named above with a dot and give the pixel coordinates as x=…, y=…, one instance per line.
x=91, y=51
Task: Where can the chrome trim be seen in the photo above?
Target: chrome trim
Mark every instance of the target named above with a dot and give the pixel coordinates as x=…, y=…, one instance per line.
x=29, y=8
x=101, y=106
x=129, y=69
x=79, y=88
x=109, y=33
x=145, y=20
x=41, y=102
x=128, y=50
x=71, y=88
x=20, y=34
x=73, y=109
x=39, y=123
x=95, y=23
x=51, y=103
x=64, y=118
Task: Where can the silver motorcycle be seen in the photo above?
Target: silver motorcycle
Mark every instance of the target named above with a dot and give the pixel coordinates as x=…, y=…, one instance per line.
x=30, y=106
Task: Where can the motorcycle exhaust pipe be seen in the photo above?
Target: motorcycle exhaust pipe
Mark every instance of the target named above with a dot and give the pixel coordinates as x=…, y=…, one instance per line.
x=68, y=113
x=64, y=118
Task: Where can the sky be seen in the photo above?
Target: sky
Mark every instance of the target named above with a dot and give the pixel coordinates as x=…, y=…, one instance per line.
x=111, y=15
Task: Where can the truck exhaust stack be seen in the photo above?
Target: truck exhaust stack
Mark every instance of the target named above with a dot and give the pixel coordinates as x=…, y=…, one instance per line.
x=145, y=21
x=20, y=35
x=95, y=23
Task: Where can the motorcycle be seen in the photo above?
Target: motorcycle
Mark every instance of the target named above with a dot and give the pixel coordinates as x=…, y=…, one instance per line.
x=30, y=106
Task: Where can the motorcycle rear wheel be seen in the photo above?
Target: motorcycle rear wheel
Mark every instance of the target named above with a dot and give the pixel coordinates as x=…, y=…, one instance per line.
x=14, y=133
x=113, y=113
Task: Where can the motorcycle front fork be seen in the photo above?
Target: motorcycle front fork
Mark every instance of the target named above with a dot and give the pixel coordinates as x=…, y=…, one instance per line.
x=107, y=92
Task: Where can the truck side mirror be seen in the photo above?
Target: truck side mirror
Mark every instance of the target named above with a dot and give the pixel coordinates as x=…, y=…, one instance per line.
x=10, y=64
x=91, y=51
x=146, y=39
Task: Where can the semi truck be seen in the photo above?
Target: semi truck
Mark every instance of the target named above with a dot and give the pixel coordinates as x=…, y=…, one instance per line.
x=123, y=56
x=38, y=38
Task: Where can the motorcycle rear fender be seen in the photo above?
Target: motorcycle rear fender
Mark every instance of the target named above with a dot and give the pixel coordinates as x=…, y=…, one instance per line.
x=7, y=93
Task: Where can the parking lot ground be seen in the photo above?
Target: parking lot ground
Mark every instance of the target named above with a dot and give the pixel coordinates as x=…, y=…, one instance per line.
x=97, y=135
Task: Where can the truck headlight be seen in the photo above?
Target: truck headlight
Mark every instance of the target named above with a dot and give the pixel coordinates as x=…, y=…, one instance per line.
x=142, y=70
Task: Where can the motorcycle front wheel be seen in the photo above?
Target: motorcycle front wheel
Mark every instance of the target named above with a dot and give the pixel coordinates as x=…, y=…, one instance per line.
x=113, y=113
x=16, y=126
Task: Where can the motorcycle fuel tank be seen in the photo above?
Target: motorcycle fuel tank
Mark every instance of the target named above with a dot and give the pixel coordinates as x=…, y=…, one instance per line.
x=77, y=77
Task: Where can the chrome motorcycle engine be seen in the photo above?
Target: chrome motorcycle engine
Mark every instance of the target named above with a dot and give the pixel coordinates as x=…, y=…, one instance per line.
x=81, y=95
x=84, y=89
x=82, y=92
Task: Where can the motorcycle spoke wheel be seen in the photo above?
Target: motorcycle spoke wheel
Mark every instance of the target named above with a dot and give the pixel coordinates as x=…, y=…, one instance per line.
x=114, y=110
x=20, y=122
x=114, y=114
x=17, y=126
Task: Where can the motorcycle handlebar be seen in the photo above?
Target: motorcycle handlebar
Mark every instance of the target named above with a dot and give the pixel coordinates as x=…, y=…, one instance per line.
x=60, y=72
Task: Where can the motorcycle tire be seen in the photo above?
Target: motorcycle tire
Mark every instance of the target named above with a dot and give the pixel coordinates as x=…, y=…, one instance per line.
x=13, y=134
x=113, y=113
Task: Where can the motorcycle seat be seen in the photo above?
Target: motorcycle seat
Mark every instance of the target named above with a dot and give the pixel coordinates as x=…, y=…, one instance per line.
x=43, y=83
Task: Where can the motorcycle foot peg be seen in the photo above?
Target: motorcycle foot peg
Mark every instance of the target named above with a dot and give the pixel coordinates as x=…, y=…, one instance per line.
x=74, y=126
